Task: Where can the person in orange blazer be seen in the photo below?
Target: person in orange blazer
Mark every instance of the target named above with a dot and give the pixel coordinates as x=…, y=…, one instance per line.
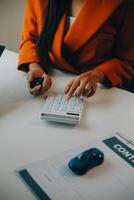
x=98, y=46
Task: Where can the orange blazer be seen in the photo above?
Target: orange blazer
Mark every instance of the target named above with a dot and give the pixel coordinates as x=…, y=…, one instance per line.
x=101, y=37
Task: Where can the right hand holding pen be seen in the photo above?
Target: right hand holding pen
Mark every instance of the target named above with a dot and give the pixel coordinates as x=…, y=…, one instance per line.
x=37, y=73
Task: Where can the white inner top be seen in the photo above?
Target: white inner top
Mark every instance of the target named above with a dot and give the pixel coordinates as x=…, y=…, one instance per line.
x=70, y=21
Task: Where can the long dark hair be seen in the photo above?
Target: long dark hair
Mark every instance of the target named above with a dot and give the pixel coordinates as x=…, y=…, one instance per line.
x=55, y=11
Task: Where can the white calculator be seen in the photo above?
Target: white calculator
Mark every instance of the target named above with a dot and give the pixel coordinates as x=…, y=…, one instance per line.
x=58, y=109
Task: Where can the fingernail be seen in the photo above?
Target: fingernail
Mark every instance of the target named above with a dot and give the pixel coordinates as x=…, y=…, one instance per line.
x=68, y=97
x=66, y=90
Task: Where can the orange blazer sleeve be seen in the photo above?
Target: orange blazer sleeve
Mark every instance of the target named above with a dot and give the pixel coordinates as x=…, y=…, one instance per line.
x=33, y=21
x=121, y=67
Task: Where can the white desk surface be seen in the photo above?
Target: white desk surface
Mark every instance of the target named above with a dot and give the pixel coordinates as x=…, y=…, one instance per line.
x=24, y=138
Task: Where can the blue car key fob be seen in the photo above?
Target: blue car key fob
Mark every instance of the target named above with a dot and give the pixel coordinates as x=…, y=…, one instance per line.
x=86, y=160
x=35, y=82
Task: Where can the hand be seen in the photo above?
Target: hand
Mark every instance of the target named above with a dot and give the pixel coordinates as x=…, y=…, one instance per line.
x=85, y=84
x=36, y=71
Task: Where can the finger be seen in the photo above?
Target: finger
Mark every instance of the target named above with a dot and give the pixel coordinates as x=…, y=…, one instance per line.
x=93, y=90
x=73, y=87
x=46, y=82
x=30, y=77
x=36, y=90
x=87, y=90
x=46, y=94
x=81, y=88
x=68, y=86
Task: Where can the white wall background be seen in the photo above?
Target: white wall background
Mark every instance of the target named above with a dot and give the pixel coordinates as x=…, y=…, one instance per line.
x=11, y=18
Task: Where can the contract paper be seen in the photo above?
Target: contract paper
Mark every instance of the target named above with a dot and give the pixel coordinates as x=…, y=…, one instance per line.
x=113, y=180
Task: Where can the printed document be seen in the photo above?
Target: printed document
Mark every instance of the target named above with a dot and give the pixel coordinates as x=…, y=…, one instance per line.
x=113, y=180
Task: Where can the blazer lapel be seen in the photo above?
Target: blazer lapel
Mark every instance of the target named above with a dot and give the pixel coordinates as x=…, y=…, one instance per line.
x=91, y=17
x=56, y=51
